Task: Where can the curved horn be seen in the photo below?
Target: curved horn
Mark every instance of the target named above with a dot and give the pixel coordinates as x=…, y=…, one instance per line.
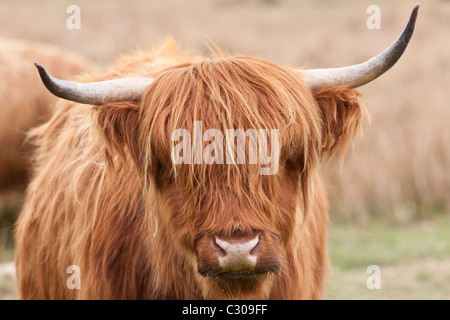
x=97, y=93
x=360, y=74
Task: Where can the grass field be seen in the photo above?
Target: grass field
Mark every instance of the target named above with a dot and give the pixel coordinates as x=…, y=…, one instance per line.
x=389, y=200
x=414, y=260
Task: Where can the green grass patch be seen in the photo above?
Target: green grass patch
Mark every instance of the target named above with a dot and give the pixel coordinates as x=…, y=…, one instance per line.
x=353, y=246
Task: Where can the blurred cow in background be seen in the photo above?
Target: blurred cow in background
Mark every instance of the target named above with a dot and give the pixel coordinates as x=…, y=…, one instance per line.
x=25, y=102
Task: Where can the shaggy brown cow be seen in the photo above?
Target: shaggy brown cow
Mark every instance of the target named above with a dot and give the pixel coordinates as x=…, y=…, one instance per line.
x=108, y=198
x=25, y=103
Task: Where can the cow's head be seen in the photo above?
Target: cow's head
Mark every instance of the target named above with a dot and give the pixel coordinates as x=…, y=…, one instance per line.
x=229, y=224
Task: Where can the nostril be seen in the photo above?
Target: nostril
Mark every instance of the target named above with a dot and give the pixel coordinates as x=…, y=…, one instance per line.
x=257, y=248
x=217, y=248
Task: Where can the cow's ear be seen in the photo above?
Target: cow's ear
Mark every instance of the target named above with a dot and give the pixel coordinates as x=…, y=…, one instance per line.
x=342, y=112
x=119, y=126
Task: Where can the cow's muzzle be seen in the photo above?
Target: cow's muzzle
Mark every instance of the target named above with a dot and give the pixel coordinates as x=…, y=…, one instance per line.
x=236, y=256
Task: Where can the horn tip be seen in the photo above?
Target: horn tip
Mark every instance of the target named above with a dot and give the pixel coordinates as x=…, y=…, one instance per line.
x=415, y=9
x=42, y=71
x=38, y=65
x=47, y=79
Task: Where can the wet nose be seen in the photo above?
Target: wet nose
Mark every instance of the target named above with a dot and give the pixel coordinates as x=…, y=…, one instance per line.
x=237, y=255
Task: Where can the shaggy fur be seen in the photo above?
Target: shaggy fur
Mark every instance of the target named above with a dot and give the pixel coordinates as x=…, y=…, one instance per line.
x=26, y=102
x=106, y=196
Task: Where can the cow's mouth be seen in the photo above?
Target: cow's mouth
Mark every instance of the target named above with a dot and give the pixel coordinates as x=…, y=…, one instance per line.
x=237, y=284
x=243, y=284
x=244, y=274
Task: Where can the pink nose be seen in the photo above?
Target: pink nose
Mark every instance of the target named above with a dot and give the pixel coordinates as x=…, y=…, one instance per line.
x=237, y=255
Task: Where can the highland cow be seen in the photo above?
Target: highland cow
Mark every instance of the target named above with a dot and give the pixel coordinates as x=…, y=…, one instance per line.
x=107, y=197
